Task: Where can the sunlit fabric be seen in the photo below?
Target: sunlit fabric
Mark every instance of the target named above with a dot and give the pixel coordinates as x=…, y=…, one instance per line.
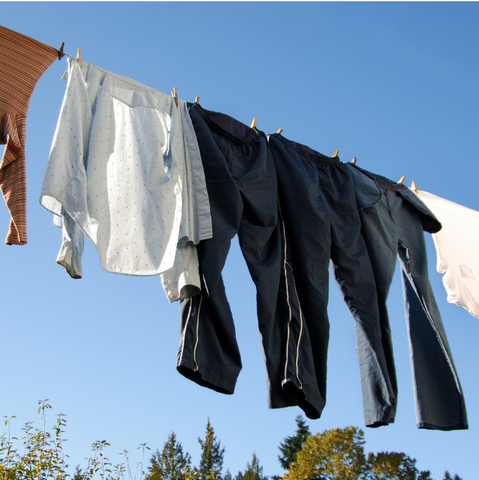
x=456, y=249
x=125, y=166
x=23, y=61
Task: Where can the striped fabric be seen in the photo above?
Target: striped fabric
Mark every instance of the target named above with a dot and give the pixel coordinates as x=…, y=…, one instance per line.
x=23, y=61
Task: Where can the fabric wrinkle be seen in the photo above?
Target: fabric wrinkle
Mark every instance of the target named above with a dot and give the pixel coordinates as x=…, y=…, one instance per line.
x=127, y=179
x=456, y=246
x=322, y=225
x=241, y=183
x=23, y=60
x=394, y=227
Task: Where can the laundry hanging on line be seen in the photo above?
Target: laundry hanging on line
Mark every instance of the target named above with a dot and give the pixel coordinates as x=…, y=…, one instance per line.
x=290, y=357
x=23, y=61
x=296, y=243
x=456, y=250
x=132, y=180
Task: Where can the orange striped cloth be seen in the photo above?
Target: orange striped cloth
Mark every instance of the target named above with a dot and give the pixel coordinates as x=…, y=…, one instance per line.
x=23, y=61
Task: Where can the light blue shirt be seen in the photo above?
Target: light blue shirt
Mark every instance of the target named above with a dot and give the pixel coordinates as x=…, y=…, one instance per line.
x=126, y=167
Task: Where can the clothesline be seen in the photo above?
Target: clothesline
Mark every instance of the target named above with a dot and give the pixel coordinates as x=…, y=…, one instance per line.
x=21, y=43
x=168, y=185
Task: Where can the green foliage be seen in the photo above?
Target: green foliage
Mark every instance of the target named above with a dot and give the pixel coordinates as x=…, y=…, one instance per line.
x=290, y=447
x=448, y=476
x=394, y=466
x=79, y=475
x=338, y=454
x=171, y=463
x=254, y=471
x=212, y=455
x=42, y=457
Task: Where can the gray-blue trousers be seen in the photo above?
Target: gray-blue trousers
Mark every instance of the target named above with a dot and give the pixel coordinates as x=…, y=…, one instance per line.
x=392, y=223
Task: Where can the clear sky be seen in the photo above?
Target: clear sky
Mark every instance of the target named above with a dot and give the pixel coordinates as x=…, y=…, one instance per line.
x=393, y=84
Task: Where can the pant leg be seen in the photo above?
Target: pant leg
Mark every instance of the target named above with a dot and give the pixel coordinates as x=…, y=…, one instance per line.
x=381, y=239
x=241, y=182
x=321, y=221
x=208, y=352
x=300, y=369
x=439, y=397
x=354, y=274
x=304, y=287
x=392, y=226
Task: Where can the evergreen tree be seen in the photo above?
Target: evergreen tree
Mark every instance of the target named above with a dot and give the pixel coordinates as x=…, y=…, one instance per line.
x=292, y=445
x=171, y=463
x=254, y=471
x=212, y=455
x=448, y=476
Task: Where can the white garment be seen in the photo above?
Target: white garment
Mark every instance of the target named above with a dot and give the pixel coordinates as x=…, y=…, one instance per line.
x=126, y=167
x=457, y=250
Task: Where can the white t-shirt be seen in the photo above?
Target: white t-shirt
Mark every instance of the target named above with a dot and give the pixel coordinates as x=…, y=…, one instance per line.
x=457, y=250
x=126, y=167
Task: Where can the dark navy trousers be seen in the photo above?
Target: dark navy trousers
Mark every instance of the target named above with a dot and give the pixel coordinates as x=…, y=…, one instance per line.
x=242, y=188
x=321, y=224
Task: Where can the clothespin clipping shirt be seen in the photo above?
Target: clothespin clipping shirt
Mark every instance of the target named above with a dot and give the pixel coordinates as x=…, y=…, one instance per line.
x=253, y=123
x=61, y=54
x=174, y=94
x=79, y=56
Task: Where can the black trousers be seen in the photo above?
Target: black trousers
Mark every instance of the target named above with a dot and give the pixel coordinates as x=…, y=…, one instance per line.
x=242, y=188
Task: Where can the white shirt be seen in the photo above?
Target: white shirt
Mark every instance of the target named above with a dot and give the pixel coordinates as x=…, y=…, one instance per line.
x=126, y=167
x=457, y=250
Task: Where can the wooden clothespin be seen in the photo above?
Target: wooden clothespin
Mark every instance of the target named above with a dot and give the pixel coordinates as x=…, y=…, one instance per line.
x=253, y=123
x=401, y=180
x=279, y=131
x=60, y=52
x=335, y=154
x=79, y=56
x=413, y=186
x=174, y=94
x=197, y=100
x=353, y=161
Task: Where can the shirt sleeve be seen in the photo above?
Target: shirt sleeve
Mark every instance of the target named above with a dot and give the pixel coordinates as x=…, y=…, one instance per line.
x=64, y=185
x=71, y=251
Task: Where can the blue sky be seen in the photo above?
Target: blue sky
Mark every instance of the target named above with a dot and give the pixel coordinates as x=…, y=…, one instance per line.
x=393, y=84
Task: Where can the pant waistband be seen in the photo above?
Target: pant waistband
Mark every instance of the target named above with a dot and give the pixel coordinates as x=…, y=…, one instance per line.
x=227, y=126
x=306, y=152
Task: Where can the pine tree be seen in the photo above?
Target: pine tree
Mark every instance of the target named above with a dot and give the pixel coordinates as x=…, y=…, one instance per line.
x=292, y=445
x=171, y=463
x=254, y=471
x=212, y=455
x=448, y=476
